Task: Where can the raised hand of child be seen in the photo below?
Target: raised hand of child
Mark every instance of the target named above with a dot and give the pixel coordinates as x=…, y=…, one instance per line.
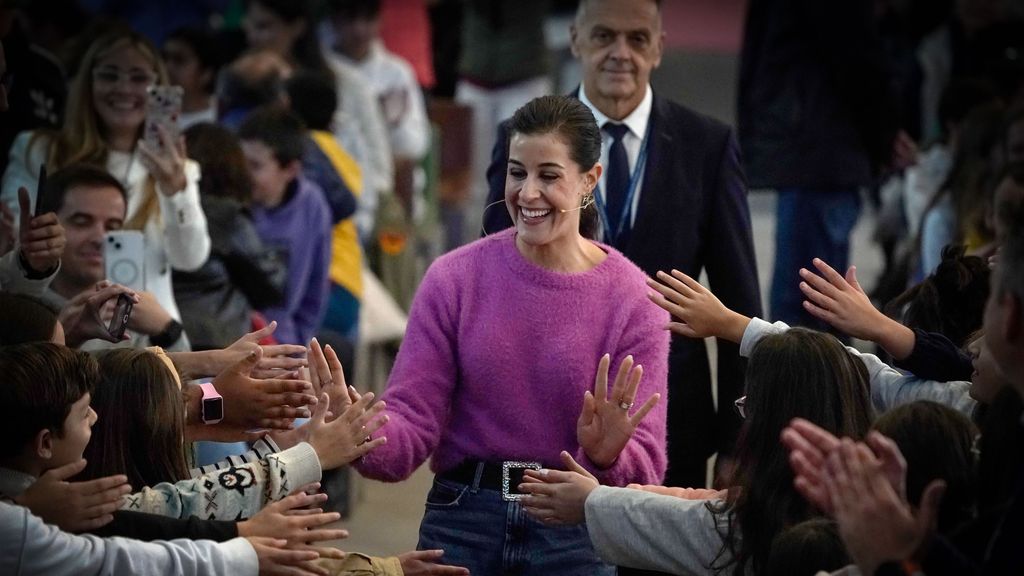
x=75, y=506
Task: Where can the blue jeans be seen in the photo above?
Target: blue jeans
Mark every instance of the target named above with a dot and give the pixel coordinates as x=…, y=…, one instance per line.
x=810, y=224
x=478, y=530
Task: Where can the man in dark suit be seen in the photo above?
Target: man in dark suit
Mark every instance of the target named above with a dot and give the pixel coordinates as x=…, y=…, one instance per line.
x=672, y=195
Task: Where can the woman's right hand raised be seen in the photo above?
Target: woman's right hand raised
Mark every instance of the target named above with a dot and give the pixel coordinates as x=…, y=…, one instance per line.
x=346, y=437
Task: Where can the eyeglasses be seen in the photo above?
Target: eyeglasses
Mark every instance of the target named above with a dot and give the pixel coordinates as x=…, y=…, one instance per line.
x=109, y=76
x=741, y=406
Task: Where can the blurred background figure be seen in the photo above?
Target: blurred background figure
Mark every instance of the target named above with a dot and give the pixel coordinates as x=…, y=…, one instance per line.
x=193, y=61
x=814, y=125
x=507, y=66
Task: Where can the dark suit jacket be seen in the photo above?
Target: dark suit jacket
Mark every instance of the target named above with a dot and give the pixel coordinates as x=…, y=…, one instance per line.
x=692, y=215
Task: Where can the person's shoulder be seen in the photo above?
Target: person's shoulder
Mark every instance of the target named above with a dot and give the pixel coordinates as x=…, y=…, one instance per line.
x=617, y=263
x=476, y=260
x=222, y=209
x=628, y=285
x=310, y=197
x=396, y=66
x=342, y=66
x=480, y=249
x=39, y=140
x=685, y=120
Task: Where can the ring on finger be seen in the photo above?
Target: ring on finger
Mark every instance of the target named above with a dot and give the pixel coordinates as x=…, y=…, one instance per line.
x=625, y=405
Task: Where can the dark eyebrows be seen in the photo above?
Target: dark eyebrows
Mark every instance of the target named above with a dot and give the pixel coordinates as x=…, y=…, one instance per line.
x=542, y=164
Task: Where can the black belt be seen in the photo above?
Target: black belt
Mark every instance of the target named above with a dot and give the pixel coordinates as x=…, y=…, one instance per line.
x=501, y=476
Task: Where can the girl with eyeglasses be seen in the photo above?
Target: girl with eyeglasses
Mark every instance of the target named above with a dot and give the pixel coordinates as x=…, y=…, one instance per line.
x=790, y=374
x=103, y=125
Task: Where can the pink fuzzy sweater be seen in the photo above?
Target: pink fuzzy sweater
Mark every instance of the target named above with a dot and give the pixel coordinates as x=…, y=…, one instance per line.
x=498, y=354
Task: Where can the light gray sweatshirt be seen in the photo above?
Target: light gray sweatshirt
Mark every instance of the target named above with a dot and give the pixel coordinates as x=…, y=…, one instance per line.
x=889, y=387
x=28, y=546
x=650, y=531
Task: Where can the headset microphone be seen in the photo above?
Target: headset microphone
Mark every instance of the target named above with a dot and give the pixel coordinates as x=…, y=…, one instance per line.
x=587, y=201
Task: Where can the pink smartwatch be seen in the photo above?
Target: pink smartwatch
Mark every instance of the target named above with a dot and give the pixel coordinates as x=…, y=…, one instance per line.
x=213, y=404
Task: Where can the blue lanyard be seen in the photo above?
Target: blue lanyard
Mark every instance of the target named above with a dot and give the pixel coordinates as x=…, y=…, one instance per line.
x=627, y=208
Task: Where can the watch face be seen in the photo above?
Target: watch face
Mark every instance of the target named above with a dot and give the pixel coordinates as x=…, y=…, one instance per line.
x=213, y=409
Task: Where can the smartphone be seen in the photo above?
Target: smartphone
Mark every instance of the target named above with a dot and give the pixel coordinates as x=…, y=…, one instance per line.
x=41, y=191
x=124, y=257
x=163, y=107
x=122, y=312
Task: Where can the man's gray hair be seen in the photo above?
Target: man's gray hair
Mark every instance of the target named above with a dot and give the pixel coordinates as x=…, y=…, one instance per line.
x=581, y=8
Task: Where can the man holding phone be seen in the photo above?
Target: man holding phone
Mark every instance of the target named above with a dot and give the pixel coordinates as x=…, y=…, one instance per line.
x=89, y=203
x=40, y=243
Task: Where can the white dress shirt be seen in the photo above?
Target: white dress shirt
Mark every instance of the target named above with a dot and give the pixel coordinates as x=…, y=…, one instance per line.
x=637, y=122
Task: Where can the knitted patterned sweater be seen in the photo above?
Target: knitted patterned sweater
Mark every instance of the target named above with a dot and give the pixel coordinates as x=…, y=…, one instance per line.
x=498, y=354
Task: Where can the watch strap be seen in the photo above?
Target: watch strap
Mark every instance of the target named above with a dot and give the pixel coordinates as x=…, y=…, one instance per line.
x=169, y=336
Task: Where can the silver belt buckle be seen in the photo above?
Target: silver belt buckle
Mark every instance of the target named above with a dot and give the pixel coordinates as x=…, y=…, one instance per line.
x=506, y=478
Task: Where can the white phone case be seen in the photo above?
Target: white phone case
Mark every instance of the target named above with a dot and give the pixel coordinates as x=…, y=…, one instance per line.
x=124, y=256
x=163, y=107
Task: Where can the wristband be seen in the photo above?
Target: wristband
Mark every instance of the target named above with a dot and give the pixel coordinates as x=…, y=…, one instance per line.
x=213, y=404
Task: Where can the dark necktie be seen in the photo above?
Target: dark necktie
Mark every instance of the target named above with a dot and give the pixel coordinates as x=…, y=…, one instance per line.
x=616, y=182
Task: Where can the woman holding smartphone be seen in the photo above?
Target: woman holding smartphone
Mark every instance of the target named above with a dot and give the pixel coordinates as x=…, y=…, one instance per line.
x=104, y=125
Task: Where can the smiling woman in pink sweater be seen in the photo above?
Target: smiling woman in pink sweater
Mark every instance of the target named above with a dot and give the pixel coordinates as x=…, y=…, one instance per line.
x=501, y=355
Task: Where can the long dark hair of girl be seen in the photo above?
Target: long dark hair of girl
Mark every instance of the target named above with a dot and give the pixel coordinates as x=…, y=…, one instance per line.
x=799, y=373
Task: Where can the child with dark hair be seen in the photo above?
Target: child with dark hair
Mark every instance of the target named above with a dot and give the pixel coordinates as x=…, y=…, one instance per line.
x=192, y=59
x=950, y=301
x=45, y=418
x=938, y=443
x=292, y=218
x=25, y=318
x=314, y=98
x=807, y=548
x=218, y=299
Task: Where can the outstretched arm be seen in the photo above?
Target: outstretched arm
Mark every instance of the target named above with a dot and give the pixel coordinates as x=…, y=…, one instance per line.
x=842, y=303
x=698, y=313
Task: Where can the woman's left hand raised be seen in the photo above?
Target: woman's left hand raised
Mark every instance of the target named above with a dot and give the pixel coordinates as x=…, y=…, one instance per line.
x=167, y=165
x=605, y=425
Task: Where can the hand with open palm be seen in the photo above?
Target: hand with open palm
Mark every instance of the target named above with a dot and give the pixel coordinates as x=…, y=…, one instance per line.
x=605, y=425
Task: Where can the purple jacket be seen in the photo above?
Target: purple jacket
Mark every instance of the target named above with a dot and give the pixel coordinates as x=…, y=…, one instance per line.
x=299, y=230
